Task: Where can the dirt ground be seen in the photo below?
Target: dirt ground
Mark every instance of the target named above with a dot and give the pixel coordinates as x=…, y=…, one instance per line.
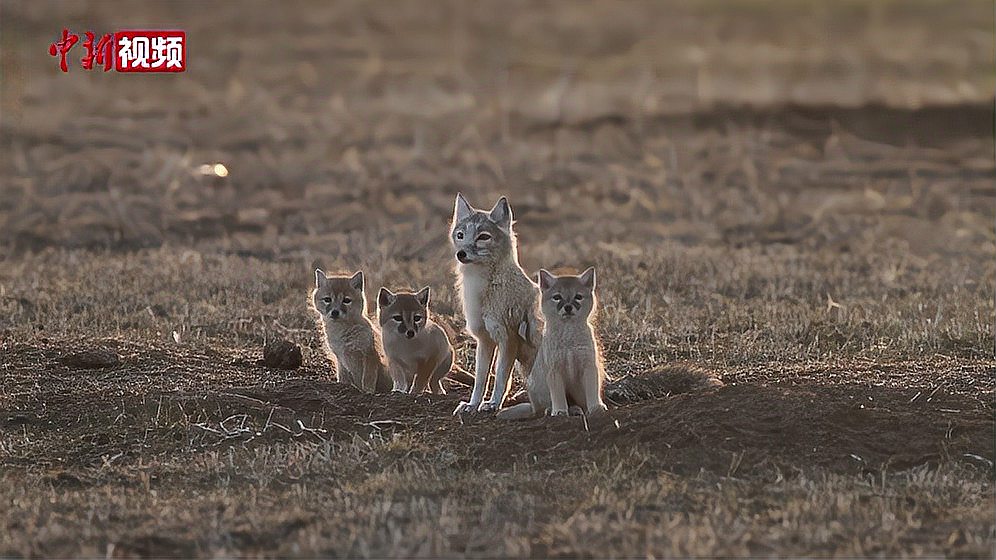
x=790, y=207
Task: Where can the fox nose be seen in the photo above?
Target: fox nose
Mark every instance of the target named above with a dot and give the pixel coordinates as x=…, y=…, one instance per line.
x=334, y=313
x=568, y=310
x=410, y=334
x=461, y=255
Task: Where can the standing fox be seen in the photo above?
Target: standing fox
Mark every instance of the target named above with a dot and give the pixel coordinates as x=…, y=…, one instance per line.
x=419, y=353
x=350, y=335
x=499, y=300
x=568, y=371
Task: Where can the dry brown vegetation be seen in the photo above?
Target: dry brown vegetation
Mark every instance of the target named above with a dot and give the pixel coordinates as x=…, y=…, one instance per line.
x=798, y=199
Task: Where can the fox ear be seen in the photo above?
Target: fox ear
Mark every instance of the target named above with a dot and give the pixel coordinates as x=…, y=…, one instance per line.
x=545, y=279
x=356, y=281
x=588, y=278
x=385, y=297
x=501, y=214
x=423, y=296
x=461, y=208
x=320, y=278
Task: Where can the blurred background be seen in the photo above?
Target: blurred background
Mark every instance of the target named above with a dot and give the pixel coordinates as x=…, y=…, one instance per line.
x=345, y=116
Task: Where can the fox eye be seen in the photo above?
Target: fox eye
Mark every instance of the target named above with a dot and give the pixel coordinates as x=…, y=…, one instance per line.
x=484, y=237
x=556, y=298
x=327, y=299
x=418, y=318
x=347, y=301
x=578, y=297
x=459, y=235
x=397, y=318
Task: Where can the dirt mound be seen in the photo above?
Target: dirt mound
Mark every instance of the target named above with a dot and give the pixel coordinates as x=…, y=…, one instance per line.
x=742, y=428
x=660, y=382
x=681, y=418
x=723, y=429
x=336, y=411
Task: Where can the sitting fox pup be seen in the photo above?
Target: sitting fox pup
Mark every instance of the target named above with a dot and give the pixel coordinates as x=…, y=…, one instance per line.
x=419, y=353
x=350, y=335
x=568, y=370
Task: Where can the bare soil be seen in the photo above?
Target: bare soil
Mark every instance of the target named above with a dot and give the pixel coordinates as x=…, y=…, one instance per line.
x=685, y=416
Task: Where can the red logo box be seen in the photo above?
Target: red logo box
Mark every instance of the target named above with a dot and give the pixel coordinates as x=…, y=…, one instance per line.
x=150, y=51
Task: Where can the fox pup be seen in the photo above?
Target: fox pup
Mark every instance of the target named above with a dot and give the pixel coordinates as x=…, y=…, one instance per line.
x=350, y=335
x=499, y=300
x=419, y=353
x=568, y=371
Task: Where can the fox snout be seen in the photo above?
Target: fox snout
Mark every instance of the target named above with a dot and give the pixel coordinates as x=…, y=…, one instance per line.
x=407, y=329
x=463, y=257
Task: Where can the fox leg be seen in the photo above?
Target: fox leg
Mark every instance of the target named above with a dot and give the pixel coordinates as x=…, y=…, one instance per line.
x=423, y=376
x=507, y=350
x=437, y=388
x=343, y=375
x=482, y=368
x=592, y=387
x=558, y=394
x=399, y=378
x=371, y=369
x=441, y=371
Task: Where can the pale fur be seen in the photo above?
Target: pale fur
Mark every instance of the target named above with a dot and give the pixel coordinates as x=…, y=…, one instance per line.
x=568, y=371
x=499, y=304
x=419, y=362
x=354, y=341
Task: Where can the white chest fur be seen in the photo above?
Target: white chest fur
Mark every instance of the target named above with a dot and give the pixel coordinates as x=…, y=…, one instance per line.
x=349, y=338
x=473, y=285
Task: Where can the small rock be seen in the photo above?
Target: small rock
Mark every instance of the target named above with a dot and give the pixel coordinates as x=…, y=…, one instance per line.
x=282, y=354
x=97, y=358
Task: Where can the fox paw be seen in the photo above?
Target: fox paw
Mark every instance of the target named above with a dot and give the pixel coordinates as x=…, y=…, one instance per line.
x=559, y=413
x=464, y=408
x=488, y=407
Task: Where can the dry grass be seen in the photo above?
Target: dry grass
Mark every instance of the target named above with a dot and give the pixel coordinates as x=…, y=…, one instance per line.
x=392, y=497
x=724, y=306
x=797, y=197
